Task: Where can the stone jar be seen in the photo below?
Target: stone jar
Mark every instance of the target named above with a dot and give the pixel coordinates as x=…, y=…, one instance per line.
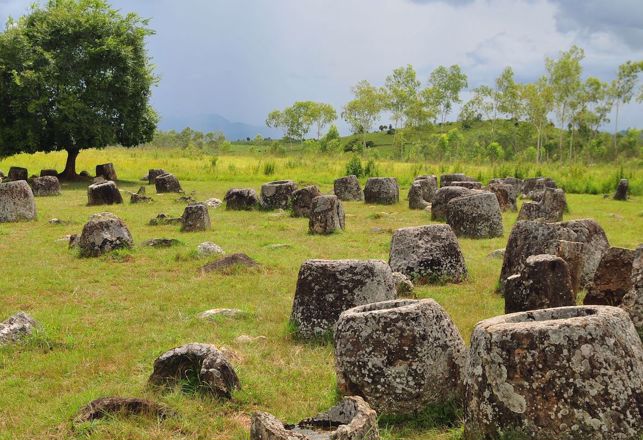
x=567, y=373
x=400, y=355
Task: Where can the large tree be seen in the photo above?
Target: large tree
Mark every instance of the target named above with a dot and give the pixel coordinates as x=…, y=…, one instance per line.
x=537, y=102
x=622, y=88
x=564, y=76
x=402, y=89
x=445, y=85
x=74, y=74
x=361, y=112
x=297, y=120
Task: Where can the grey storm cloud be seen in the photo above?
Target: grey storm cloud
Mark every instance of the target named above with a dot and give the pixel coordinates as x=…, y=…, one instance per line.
x=621, y=18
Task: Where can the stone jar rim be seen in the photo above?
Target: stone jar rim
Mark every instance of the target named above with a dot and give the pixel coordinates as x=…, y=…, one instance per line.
x=559, y=317
x=383, y=307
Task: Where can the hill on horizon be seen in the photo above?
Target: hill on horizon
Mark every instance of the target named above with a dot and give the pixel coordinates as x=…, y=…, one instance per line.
x=214, y=122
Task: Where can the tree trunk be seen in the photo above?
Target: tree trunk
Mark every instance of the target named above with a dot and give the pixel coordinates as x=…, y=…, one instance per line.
x=70, y=165
x=615, y=137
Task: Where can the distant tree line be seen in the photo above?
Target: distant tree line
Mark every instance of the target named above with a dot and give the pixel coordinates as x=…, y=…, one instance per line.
x=517, y=115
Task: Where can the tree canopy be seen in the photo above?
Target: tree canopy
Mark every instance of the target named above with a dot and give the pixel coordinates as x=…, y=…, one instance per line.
x=74, y=74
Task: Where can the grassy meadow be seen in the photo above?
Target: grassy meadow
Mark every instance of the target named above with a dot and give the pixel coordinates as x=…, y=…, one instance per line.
x=105, y=320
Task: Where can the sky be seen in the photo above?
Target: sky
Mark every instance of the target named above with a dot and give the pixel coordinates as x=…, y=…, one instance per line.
x=243, y=58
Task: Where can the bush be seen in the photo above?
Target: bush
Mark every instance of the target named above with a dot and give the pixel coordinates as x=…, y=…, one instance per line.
x=371, y=169
x=495, y=152
x=354, y=166
x=370, y=144
x=353, y=145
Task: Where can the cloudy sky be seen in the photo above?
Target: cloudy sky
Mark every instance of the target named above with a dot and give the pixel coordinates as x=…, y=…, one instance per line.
x=242, y=58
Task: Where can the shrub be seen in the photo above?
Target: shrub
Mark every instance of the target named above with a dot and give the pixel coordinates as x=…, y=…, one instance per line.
x=354, y=166
x=371, y=169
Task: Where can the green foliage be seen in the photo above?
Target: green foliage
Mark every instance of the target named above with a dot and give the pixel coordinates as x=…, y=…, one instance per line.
x=297, y=120
x=354, y=167
x=269, y=168
x=494, y=152
x=75, y=74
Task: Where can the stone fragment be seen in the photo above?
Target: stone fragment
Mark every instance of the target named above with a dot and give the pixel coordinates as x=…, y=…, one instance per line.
x=104, y=232
x=442, y=198
x=16, y=202
x=164, y=219
x=326, y=215
x=391, y=350
x=351, y=419
x=325, y=288
x=106, y=193
x=161, y=242
x=633, y=300
x=529, y=238
x=106, y=407
x=106, y=171
x=475, y=216
x=167, y=183
x=403, y=285
x=241, y=199
x=550, y=208
x=208, y=248
x=226, y=313
x=567, y=373
x=427, y=254
x=612, y=279
x=213, y=203
x=302, y=200
x=201, y=365
x=277, y=194
x=382, y=190
x=18, y=173
x=153, y=173
x=543, y=283
x=228, y=262
x=16, y=327
x=348, y=189
x=498, y=253
x=195, y=218
x=622, y=190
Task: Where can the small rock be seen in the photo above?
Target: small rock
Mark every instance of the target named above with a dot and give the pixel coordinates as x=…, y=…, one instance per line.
x=164, y=219
x=213, y=203
x=498, y=253
x=16, y=327
x=121, y=406
x=226, y=313
x=278, y=246
x=403, y=285
x=162, y=242
x=208, y=248
x=214, y=373
x=230, y=261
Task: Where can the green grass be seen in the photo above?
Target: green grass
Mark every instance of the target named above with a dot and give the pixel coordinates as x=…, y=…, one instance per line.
x=105, y=320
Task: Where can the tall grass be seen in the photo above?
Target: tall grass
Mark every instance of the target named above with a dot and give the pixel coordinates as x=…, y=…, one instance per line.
x=249, y=164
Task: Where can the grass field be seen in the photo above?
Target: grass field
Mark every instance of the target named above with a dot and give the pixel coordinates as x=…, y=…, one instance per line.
x=105, y=320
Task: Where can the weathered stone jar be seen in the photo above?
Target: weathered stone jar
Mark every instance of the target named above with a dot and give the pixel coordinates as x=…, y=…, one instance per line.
x=325, y=288
x=382, y=190
x=241, y=199
x=277, y=194
x=567, y=373
x=326, y=215
x=427, y=254
x=347, y=188
x=475, y=216
x=16, y=202
x=351, y=419
x=400, y=355
x=302, y=200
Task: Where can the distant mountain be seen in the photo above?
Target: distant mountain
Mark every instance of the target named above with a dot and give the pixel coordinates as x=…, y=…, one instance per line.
x=214, y=122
